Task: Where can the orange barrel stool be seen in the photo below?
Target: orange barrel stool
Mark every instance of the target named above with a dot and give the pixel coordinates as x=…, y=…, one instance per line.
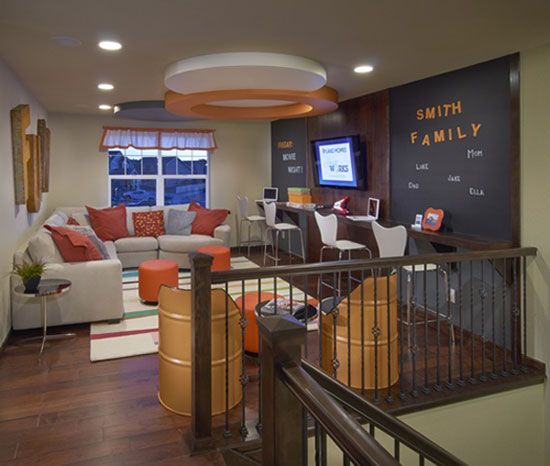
x=154, y=273
x=251, y=300
x=221, y=255
x=175, y=355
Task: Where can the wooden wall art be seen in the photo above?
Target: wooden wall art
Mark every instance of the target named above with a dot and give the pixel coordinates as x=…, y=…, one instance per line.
x=34, y=188
x=20, y=120
x=44, y=137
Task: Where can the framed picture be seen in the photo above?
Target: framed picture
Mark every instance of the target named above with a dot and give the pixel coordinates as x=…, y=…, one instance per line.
x=374, y=208
x=433, y=219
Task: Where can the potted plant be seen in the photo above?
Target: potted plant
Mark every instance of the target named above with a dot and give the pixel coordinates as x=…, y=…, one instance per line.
x=31, y=274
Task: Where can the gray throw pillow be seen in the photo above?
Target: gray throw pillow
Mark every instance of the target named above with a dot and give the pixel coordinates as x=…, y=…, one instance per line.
x=90, y=233
x=178, y=222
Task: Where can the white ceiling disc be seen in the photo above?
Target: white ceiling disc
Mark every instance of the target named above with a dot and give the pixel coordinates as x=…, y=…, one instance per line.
x=244, y=70
x=251, y=103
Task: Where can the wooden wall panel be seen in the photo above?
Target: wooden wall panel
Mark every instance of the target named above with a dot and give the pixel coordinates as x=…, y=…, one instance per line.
x=20, y=120
x=44, y=136
x=34, y=187
x=367, y=116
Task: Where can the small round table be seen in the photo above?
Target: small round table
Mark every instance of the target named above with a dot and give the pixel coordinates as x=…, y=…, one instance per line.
x=48, y=287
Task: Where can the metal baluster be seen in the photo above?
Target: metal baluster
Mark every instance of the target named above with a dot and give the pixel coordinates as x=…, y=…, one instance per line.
x=259, y=423
x=320, y=445
x=493, y=373
x=472, y=334
x=450, y=330
x=389, y=397
x=290, y=291
x=320, y=331
x=306, y=314
x=396, y=449
x=275, y=293
x=504, y=371
x=372, y=430
x=421, y=461
x=362, y=331
x=244, y=375
x=524, y=287
x=226, y=430
x=345, y=460
x=349, y=329
x=460, y=381
x=305, y=457
x=482, y=295
x=437, y=387
x=515, y=317
x=335, y=312
x=425, y=388
x=414, y=391
x=402, y=394
x=376, y=334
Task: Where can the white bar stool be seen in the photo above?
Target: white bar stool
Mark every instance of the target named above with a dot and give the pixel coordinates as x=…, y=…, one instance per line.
x=251, y=220
x=270, y=209
x=392, y=243
x=328, y=227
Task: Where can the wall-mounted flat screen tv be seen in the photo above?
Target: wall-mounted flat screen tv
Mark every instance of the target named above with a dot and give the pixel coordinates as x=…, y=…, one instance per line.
x=339, y=163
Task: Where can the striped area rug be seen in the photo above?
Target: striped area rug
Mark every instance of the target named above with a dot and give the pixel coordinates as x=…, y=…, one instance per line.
x=137, y=333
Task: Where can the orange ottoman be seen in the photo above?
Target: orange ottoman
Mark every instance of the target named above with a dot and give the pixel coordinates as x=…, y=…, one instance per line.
x=221, y=255
x=251, y=300
x=154, y=273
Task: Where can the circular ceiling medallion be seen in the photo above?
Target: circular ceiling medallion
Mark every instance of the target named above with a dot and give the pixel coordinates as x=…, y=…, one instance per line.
x=240, y=103
x=146, y=110
x=244, y=70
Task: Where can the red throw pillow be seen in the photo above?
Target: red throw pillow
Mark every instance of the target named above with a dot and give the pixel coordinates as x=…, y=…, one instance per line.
x=109, y=224
x=206, y=220
x=73, y=245
x=149, y=223
x=72, y=221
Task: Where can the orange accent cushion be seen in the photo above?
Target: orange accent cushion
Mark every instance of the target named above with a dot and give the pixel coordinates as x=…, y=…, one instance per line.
x=73, y=245
x=221, y=255
x=153, y=274
x=207, y=219
x=148, y=223
x=109, y=224
x=72, y=221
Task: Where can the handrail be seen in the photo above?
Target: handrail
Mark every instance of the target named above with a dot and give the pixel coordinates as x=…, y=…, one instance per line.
x=345, y=431
x=358, y=264
x=385, y=422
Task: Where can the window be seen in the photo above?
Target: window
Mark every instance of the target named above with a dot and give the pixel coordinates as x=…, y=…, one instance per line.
x=158, y=177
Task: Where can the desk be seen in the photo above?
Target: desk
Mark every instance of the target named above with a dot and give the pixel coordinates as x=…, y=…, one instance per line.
x=449, y=239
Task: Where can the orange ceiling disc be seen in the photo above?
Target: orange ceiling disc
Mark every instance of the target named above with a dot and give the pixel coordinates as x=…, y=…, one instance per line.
x=240, y=103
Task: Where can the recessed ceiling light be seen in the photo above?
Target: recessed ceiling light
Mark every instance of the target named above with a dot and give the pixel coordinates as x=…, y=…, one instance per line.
x=104, y=107
x=363, y=69
x=105, y=86
x=110, y=45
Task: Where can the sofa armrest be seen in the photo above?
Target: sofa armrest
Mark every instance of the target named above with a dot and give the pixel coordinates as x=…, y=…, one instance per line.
x=223, y=232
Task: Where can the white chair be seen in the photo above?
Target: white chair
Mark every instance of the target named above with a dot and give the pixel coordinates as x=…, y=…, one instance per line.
x=328, y=227
x=392, y=242
x=251, y=220
x=270, y=209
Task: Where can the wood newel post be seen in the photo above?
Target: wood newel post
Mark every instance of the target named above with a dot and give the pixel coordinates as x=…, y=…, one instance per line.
x=282, y=416
x=201, y=352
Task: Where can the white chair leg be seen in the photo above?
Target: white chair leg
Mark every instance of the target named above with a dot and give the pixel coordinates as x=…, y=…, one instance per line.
x=302, y=246
x=249, y=227
x=276, y=251
x=267, y=231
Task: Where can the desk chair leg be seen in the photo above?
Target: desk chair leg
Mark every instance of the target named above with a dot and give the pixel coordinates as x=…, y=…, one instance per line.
x=451, y=327
x=339, y=289
x=319, y=283
x=276, y=252
x=249, y=227
x=267, y=236
x=302, y=246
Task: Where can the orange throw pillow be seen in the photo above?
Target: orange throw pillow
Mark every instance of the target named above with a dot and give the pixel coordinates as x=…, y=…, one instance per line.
x=149, y=223
x=109, y=224
x=73, y=245
x=206, y=220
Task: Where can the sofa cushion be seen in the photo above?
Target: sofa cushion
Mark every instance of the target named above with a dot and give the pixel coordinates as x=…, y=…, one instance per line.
x=207, y=219
x=136, y=244
x=42, y=248
x=90, y=233
x=110, y=223
x=73, y=245
x=149, y=223
x=186, y=244
x=179, y=222
x=82, y=218
x=167, y=208
x=111, y=249
x=130, y=217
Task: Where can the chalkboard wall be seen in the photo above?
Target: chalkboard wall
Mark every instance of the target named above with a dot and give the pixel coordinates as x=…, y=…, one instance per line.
x=288, y=155
x=452, y=147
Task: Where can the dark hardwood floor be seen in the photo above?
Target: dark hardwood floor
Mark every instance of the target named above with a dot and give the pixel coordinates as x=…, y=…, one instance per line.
x=66, y=410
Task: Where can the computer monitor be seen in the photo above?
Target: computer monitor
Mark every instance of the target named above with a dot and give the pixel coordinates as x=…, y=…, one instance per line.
x=270, y=194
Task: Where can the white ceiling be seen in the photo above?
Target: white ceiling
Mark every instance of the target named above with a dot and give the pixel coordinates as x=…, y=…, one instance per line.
x=405, y=40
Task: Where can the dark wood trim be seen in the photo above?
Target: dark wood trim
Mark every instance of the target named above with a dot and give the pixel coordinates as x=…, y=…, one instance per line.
x=515, y=151
x=201, y=353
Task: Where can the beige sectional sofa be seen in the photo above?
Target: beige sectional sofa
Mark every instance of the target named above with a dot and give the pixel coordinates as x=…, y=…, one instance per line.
x=96, y=292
